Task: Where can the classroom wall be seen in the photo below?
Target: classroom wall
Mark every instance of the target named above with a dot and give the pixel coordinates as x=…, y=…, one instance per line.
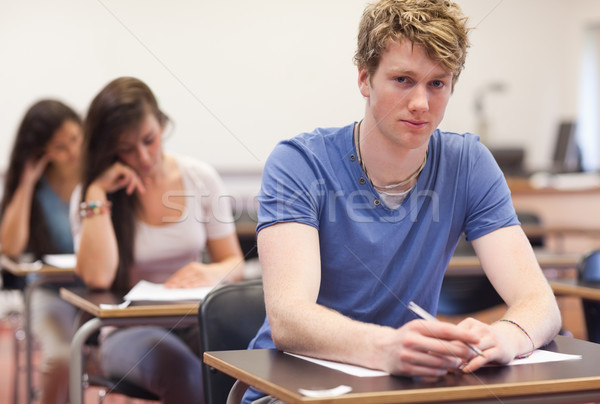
x=534, y=47
x=237, y=76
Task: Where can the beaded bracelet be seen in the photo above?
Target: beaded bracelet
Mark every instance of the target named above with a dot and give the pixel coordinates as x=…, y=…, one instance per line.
x=527, y=355
x=87, y=209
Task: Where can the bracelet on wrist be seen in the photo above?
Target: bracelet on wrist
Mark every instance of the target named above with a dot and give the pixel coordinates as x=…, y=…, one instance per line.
x=528, y=354
x=91, y=208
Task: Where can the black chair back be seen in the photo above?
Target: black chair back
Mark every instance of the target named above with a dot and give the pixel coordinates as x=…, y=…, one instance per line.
x=529, y=218
x=466, y=294
x=229, y=318
x=588, y=271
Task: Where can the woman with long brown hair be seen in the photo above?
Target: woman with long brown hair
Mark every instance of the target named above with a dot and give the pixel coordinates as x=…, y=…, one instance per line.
x=34, y=216
x=144, y=214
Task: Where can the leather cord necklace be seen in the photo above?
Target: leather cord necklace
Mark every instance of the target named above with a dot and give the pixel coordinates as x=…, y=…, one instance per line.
x=384, y=188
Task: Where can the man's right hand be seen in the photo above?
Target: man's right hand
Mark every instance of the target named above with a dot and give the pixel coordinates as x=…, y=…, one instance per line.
x=427, y=348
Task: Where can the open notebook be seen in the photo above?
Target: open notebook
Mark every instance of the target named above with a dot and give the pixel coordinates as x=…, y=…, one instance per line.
x=148, y=291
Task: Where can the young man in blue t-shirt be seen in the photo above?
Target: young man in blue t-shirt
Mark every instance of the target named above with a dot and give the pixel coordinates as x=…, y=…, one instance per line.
x=355, y=222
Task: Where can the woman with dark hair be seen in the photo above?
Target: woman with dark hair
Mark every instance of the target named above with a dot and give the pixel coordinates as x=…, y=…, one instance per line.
x=34, y=218
x=143, y=214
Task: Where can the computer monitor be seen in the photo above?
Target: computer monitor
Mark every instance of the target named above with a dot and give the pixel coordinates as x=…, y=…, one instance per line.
x=567, y=156
x=510, y=160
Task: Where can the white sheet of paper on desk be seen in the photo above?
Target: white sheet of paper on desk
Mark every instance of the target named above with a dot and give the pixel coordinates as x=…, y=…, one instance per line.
x=19, y=266
x=541, y=356
x=60, y=260
x=538, y=356
x=149, y=291
x=343, y=367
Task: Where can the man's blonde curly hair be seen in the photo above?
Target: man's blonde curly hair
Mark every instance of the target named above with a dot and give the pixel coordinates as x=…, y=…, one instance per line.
x=439, y=26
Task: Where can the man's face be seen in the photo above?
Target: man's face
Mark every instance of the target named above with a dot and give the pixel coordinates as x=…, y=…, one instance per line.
x=407, y=95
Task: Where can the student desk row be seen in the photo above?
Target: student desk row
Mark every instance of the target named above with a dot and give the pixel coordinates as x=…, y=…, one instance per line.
x=469, y=264
x=182, y=313
x=281, y=375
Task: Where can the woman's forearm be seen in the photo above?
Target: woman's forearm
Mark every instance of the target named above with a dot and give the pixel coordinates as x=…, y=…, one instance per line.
x=230, y=269
x=14, y=226
x=98, y=254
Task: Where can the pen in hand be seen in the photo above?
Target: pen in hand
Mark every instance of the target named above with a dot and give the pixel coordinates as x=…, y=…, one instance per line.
x=419, y=311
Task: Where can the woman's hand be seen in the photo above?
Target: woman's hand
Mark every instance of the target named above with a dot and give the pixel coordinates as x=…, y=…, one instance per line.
x=193, y=275
x=34, y=169
x=120, y=176
x=15, y=223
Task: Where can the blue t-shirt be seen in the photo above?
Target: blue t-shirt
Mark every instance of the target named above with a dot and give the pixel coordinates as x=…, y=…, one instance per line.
x=374, y=259
x=56, y=215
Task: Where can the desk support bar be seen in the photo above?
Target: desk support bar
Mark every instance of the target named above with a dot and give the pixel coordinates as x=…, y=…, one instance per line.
x=36, y=283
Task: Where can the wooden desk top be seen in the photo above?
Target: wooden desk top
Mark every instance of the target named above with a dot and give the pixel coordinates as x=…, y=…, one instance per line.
x=520, y=186
x=546, y=260
x=24, y=269
x=44, y=270
x=573, y=287
x=541, y=231
x=90, y=302
x=282, y=375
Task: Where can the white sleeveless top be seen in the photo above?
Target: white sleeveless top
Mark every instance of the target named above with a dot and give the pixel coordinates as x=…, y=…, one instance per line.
x=159, y=251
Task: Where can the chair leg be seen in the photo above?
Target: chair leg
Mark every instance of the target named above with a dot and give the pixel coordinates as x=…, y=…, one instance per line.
x=101, y=396
x=17, y=370
x=237, y=392
x=19, y=336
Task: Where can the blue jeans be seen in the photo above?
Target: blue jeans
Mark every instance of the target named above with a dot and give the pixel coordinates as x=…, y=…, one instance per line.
x=162, y=361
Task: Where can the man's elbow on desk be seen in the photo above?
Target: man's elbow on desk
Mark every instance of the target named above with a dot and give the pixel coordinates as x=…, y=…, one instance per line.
x=539, y=309
x=553, y=317
x=288, y=325
x=281, y=334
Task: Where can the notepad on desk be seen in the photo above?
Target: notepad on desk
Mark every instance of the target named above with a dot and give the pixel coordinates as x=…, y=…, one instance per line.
x=542, y=356
x=538, y=356
x=19, y=266
x=61, y=260
x=149, y=291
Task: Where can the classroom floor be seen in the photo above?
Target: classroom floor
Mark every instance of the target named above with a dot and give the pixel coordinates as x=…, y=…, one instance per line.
x=570, y=308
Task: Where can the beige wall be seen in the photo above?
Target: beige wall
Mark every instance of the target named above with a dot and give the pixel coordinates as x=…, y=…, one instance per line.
x=534, y=47
x=238, y=76
x=572, y=211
